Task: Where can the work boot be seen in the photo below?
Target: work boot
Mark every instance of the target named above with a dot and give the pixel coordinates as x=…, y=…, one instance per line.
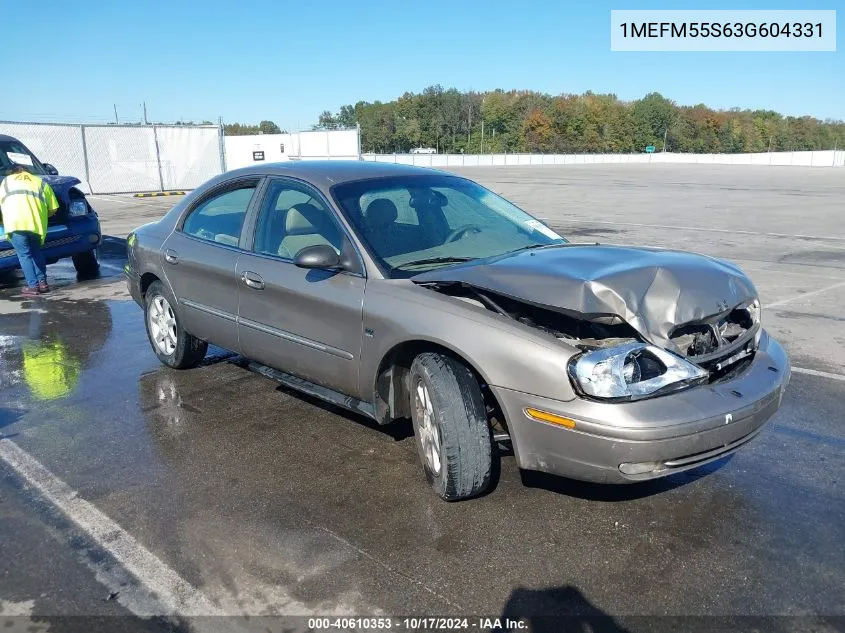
x=30, y=291
x=43, y=287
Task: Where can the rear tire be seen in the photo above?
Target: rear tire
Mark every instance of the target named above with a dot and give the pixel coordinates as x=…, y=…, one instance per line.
x=172, y=345
x=450, y=426
x=87, y=265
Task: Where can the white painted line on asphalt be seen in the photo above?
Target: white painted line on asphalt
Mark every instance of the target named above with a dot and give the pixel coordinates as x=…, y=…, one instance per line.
x=820, y=374
x=694, y=228
x=753, y=265
x=806, y=294
x=110, y=199
x=173, y=593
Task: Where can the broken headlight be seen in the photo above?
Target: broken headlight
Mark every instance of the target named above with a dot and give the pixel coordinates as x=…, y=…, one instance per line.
x=632, y=371
x=78, y=208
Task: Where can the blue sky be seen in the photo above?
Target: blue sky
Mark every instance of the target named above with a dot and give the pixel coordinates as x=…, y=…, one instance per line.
x=287, y=61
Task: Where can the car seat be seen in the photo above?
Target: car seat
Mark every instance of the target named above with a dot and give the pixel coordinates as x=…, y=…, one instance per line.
x=380, y=227
x=307, y=225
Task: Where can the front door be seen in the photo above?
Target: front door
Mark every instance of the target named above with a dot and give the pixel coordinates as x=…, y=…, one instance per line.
x=200, y=260
x=304, y=322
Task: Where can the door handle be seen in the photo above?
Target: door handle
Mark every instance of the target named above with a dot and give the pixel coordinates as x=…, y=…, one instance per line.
x=171, y=256
x=253, y=280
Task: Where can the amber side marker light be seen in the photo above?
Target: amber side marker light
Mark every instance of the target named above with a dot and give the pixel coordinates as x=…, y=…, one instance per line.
x=545, y=416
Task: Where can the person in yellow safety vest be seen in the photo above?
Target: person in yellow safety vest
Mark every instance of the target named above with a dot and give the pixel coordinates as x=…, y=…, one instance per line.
x=26, y=202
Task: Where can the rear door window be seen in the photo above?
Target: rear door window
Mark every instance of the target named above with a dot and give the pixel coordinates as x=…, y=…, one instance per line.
x=220, y=218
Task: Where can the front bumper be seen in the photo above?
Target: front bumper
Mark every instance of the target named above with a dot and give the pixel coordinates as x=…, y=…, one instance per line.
x=78, y=235
x=676, y=432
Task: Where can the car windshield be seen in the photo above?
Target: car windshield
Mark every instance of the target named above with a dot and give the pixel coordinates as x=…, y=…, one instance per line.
x=411, y=224
x=12, y=152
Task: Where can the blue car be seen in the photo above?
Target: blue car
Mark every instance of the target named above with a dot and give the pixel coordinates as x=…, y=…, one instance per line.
x=73, y=231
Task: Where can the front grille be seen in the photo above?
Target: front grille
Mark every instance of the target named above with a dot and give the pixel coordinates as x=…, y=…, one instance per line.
x=711, y=341
x=61, y=241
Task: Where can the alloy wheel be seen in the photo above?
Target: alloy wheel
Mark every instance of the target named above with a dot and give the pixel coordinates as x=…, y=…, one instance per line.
x=429, y=428
x=162, y=321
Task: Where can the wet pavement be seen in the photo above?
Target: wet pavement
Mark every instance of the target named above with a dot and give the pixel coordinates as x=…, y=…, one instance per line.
x=269, y=502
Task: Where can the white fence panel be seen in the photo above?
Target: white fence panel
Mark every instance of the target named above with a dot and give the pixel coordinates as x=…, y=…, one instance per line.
x=189, y=155
x=59, y=145
x=122, y=159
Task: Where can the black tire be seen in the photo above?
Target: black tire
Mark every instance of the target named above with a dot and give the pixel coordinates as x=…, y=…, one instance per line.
x=188, y=350
x=458, y=413
x=87, y=265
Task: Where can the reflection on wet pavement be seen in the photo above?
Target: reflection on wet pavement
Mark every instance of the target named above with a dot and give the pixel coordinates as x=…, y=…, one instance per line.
x=43, y=352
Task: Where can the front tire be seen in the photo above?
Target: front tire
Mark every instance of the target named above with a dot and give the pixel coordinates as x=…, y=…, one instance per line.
x=450, y=426
x=172, y=345
x=87, y=264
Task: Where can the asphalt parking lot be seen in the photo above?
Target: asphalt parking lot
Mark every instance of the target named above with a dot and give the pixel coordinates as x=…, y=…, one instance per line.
x=227, y=494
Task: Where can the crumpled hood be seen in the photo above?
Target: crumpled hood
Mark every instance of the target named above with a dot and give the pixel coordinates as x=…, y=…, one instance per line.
x=61, y=186
x=652, y=289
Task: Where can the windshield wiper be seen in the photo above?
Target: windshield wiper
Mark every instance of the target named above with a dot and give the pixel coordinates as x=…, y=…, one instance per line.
x=435, y=260
x=533, y=246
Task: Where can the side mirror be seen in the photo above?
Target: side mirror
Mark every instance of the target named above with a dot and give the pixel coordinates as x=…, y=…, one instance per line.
x=52, y=171
x=318, y=256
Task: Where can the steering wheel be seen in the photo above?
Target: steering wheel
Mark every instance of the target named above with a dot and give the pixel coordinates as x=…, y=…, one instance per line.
x=454, y=235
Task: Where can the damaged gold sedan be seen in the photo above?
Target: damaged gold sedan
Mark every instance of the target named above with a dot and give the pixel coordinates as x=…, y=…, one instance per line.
x=402, y=292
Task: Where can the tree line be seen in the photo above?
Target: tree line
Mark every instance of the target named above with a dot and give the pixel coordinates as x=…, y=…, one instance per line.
x=528, y=121
x=245, y=129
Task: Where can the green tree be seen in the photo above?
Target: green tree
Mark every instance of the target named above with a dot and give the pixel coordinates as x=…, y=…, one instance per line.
x=652, y=116
x=346, y=117
x=326, y=121
x=268, y=127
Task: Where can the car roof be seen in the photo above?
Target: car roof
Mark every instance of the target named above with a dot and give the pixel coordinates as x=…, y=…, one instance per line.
x=333, y=172
x=5, y=137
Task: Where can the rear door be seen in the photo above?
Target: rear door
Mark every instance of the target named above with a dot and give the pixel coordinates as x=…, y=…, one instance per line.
x=200, y=259
x=304, y=322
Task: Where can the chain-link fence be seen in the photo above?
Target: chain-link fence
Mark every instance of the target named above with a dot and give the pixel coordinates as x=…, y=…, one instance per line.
x=126, y=158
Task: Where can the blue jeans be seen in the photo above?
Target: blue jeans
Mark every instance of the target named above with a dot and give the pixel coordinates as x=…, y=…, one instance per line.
x=28, y=247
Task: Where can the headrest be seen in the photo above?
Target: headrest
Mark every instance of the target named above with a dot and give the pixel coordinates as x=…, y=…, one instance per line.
x=427, y=198
x=380, y=212
x=304, y=219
